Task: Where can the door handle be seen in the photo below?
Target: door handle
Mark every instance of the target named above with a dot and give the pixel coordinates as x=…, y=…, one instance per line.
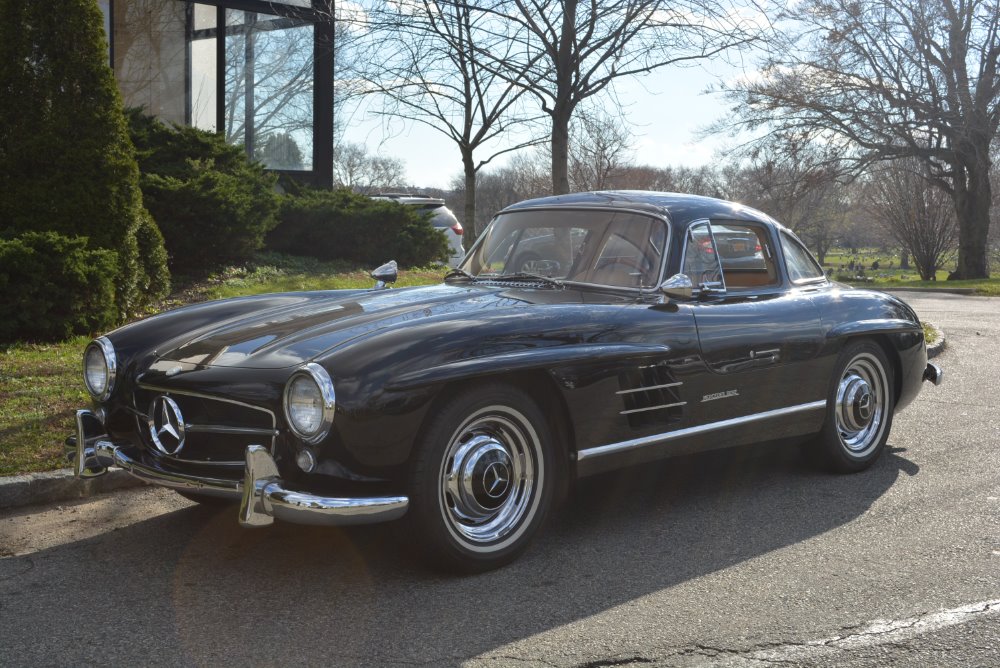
x=763, y=357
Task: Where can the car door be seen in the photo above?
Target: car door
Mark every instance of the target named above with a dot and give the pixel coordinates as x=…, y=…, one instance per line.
x=759, y=335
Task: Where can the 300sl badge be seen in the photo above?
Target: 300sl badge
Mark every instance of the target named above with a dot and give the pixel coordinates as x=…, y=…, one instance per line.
x=720, y=395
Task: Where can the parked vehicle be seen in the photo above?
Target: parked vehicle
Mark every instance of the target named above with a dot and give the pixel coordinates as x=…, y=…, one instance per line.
x=465, y=408
x=442, y=219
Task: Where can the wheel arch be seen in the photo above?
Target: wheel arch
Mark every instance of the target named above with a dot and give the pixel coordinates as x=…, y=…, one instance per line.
x=542, y=388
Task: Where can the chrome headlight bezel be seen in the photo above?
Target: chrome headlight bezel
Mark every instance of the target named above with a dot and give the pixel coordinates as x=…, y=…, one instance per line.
x=107, y=352
x=328, y=398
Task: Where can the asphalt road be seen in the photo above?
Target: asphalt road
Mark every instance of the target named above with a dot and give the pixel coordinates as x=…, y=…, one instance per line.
x=749, y=559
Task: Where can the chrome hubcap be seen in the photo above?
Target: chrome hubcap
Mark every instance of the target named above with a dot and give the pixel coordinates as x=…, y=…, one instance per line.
x=861, y=400
x=489, y=474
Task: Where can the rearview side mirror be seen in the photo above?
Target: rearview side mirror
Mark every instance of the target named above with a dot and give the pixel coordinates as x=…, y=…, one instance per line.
x=678, y=286
x=387, y=273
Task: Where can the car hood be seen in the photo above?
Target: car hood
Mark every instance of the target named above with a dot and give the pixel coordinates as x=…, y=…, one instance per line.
x=291, y=329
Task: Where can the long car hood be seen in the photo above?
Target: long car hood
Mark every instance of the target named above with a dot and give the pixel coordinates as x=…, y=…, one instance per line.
x=291, y=329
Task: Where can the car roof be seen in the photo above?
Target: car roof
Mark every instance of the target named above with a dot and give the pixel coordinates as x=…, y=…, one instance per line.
x=404, y=198
x=680, y=208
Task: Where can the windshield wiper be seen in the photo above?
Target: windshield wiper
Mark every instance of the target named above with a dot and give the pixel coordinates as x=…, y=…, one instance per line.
x=459, y=273
x=523, y=276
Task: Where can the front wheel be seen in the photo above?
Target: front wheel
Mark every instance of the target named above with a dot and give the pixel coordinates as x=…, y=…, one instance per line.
x=859, y=409
x=482, y=480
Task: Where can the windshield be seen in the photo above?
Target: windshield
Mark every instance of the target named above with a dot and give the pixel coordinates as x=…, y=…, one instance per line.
x=619, y=249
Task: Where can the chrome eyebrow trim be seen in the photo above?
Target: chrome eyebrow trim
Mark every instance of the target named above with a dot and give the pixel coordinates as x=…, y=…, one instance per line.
x=653, y=408
x=655, y=439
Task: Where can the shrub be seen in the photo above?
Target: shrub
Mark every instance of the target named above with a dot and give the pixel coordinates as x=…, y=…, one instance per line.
x=212, y=204
x=53, y=286
x=66, y=162
x=339, y=224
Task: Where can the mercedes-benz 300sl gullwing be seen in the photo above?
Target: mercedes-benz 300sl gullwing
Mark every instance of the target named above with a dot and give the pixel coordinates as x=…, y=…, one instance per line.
x=581, y=333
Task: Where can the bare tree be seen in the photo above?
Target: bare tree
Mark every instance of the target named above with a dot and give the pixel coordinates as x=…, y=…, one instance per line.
x=916, y=214
x=797, y=182
x=425, y=58
x=567, y=52
x=367, y=174
x=891, y=79
x=525, y=176
x=598, y=151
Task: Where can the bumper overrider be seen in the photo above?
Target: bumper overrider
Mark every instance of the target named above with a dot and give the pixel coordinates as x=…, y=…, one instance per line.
x=933, y=373
x=263, y=495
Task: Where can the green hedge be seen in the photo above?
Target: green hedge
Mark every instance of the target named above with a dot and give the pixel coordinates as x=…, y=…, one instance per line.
x=341, y=225
x=212, y=204
x=66, y=162
x=53, y=286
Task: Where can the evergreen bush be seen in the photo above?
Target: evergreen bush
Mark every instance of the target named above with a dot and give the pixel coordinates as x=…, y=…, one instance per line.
x=212, y=204
x=66, y=162
x=341, y=225
x=54, y=286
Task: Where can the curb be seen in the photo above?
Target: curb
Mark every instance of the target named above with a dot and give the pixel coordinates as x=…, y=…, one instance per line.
x=937, y=347
x=53, y=486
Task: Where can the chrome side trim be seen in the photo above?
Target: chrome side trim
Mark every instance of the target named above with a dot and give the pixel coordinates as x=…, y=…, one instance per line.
x=655, y=439
x=653, y=408
x=651, y=387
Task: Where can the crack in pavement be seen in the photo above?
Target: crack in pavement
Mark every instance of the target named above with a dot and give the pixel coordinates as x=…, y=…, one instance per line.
x=877, y=632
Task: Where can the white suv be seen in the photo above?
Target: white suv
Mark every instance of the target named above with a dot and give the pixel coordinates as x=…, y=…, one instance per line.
x=442, y=219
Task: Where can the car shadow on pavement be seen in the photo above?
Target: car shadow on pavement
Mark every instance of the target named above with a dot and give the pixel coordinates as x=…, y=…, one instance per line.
x=192, y=588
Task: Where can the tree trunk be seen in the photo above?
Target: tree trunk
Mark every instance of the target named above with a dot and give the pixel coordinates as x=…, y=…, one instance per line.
x=562, y=107
x=904, y=258
x=973, y=196
x=560, y=151
x=470, y=232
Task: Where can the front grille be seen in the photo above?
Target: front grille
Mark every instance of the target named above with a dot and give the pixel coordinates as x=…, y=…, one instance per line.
x=217, y=431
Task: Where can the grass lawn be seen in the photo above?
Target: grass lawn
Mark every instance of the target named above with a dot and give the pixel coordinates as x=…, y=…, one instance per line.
x=889, y=275
x=41, y=384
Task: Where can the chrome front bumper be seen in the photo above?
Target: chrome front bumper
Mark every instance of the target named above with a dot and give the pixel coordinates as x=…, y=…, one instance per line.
x=934, y=373
x=262, y=493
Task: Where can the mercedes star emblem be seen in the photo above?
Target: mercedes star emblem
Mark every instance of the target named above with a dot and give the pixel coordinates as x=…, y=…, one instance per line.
x=166, y=425
x=495, y=480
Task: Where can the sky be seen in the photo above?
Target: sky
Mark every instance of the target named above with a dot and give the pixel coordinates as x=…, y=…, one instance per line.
x=665, y=109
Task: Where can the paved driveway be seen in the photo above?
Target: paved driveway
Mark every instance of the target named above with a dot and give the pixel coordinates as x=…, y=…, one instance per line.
x=711, y=560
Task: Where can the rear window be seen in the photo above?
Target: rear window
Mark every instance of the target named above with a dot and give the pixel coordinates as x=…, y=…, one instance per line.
x=800, y=262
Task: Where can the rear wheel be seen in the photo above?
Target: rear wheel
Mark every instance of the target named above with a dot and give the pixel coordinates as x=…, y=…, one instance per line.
x=483, y=479
x=859, y=409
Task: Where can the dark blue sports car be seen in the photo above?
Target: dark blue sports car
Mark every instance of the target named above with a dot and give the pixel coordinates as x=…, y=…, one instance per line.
x=581, y=333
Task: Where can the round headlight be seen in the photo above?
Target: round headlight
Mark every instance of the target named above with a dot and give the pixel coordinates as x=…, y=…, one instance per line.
x=310, y=403
x=99, y=368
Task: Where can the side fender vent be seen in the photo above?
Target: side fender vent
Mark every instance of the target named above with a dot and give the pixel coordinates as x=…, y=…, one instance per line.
x=650, y=395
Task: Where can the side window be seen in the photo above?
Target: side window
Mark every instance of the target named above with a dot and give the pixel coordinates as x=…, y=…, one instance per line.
x=800, y=262
x=748, y=261
x=701, y=262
